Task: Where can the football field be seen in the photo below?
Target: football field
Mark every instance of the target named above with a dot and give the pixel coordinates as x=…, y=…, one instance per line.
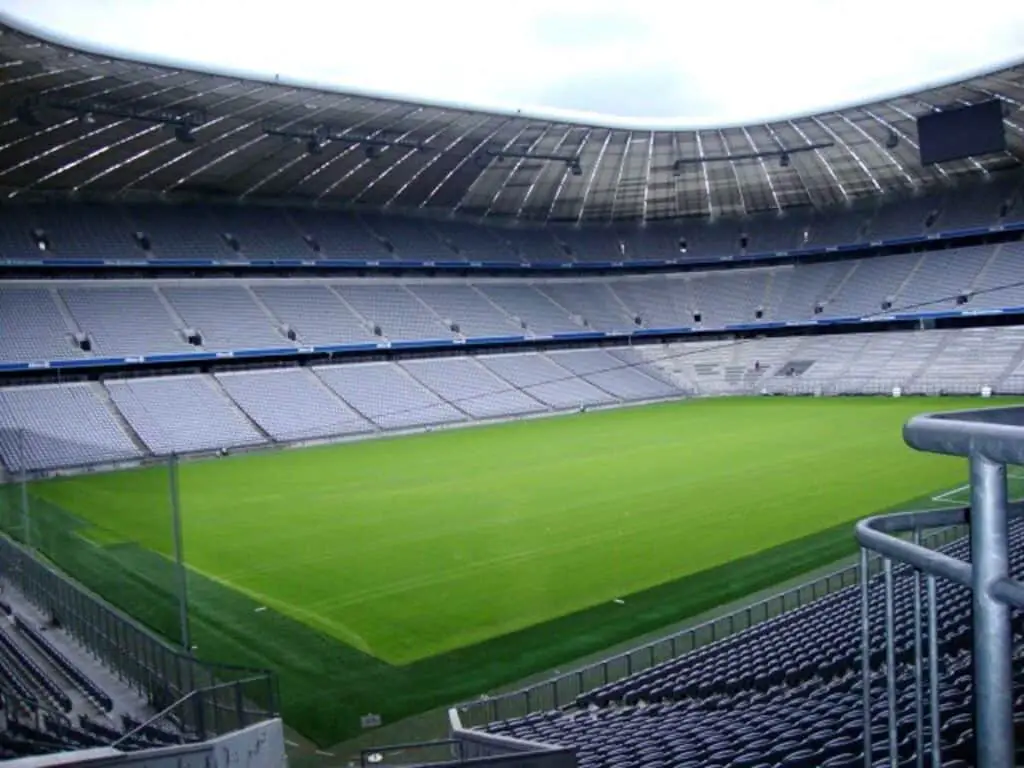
x=394, y=575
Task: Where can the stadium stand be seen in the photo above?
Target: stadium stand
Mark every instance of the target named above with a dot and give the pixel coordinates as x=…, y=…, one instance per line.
x=291, y=404
x=544, y=380
x=181, y=414
x=79, y=319
x=388, y=396
x=125, y=419
x=785, y=692
x=31, y=438
x=46, y=335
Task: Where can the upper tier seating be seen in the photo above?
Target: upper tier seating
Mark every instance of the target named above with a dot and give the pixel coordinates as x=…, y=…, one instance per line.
x=231, y=233
x=396, y=311
x=476, y=316
x=315, y=313
x=125, y=320
x=182, y=232
x=148, y=318
x=227, y=317
x=340, y=235
x=263, y=233
x=42, y=332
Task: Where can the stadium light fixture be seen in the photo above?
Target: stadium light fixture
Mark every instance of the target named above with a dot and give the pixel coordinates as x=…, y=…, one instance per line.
x=322, y=135
x=183, y=133
x=26, y=114
x=892, y=140
x=781, y=152
x=90, y=110
x=499, y=155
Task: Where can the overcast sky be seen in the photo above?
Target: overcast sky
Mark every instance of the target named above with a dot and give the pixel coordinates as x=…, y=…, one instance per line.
x=659, y=62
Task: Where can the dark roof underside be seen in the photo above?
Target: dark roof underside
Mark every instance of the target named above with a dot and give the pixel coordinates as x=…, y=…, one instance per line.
x=625, y=175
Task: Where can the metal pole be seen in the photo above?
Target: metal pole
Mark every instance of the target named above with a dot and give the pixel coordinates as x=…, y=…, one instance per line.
x=26, y=516
x=890, y=659
x=179, y=555
x=933, y=671
x=865, y=651
x=918, y=671
x=993, y=671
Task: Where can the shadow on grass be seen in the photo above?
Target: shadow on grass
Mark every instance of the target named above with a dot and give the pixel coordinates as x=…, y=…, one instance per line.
x=326, y=685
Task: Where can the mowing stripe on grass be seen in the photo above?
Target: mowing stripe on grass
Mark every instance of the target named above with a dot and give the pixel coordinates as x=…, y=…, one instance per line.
x=470, y=559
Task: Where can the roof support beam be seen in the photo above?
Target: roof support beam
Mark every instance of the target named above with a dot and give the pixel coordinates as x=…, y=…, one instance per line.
x=188, y=152
x=160, y=145
x=462, y=161
x=809, y=191
x=518, y=164
x=368, y=158
x=96, y=132
x=824, y=161
x=647, y=177
x=764, y=169
x=387, y=171
x=321, y=167
x=566, y=175
x=736, y=176
x=704, y=174
x=485, y=165
x=533, y=184
x=899, y=166
x=856, y=158
x=444, y=150
x=617, y=187
x=593, y=175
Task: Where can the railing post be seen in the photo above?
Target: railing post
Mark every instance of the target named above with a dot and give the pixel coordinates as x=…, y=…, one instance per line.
x=993, y=670
x=865, y=644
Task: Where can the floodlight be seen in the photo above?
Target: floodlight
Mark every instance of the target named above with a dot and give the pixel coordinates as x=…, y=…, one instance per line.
x=27, y=115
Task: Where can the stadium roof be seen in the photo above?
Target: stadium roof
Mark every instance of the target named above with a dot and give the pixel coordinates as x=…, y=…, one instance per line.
x=94, y=124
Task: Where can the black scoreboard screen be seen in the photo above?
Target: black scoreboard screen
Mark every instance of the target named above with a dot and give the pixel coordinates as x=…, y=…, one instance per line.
x=953, y=134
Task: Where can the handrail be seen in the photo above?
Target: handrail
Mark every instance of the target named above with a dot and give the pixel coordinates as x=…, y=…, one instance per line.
x=991, y=439
x=181, y=700
x=946, y=521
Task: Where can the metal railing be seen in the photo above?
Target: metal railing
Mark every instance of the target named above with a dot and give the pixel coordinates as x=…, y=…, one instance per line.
x=562, y=689
x=164, y=674
x=991, y=439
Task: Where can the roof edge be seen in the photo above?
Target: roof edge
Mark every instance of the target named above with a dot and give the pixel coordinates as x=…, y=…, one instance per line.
x=582, y=119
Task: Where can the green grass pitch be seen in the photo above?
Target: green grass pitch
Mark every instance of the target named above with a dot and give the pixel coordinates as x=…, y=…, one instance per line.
x=395, y=575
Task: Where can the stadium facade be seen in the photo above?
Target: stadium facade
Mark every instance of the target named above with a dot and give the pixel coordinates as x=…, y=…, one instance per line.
x=196, y=263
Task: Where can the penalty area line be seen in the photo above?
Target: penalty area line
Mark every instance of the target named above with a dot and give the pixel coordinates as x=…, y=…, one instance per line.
x=949, y=497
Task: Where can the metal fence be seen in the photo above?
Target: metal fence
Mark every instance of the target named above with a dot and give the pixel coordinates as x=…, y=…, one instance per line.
x=120, y=598
x=231, y=697
x=562, y=689
x=991, y=439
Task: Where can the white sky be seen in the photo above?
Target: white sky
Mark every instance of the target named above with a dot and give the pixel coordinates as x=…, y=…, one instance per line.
x=648, y=63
